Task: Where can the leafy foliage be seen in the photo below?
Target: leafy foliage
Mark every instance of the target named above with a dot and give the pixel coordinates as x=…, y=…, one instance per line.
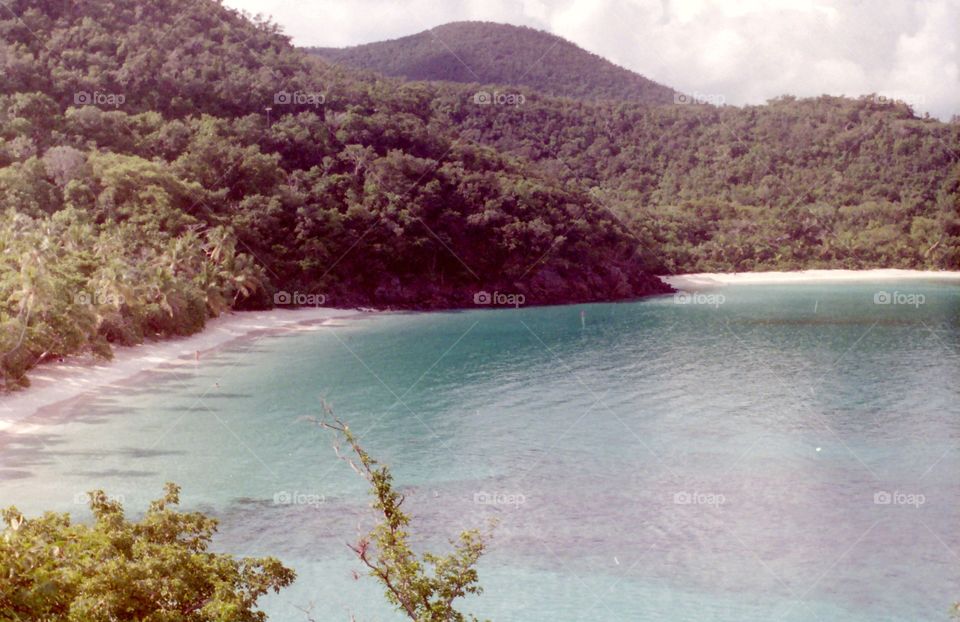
x=140, y=127
x=138, y=132
x=828, y=182
x=158, y=569
x=503, y=54
x=423, y=587
x=69, y=284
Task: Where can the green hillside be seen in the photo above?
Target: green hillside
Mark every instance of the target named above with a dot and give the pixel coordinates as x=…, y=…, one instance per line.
x=828, y=182
x=162, y=162
x=489, y=53
x=145, y=186
x=797, y=183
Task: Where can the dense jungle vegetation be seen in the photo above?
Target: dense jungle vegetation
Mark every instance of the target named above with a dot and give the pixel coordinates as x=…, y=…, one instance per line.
x=827, y=182
x=494, y=53
x=162, y=162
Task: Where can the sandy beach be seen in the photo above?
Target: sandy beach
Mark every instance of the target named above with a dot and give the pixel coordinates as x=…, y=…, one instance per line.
x=53, y=383
x=707, y=280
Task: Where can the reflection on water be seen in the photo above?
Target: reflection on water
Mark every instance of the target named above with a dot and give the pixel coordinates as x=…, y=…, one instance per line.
x=788, y=454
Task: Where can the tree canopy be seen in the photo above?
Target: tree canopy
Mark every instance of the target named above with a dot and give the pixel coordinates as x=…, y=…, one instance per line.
x=196, y=162
x=157, y=569
x=162, y=162
x=501, y=54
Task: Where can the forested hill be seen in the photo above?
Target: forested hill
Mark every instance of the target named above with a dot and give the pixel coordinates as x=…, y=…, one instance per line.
x=826, y=182
x=162, y=161
x=502, y=54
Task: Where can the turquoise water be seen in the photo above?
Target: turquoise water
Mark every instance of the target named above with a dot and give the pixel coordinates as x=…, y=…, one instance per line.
x=717, y=460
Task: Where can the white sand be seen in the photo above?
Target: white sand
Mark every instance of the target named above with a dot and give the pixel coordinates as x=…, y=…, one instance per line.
x=53, y=383
x=706, y=280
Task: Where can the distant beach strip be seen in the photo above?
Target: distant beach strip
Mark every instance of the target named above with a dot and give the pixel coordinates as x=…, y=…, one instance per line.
x=53, y=383
x=707, y=280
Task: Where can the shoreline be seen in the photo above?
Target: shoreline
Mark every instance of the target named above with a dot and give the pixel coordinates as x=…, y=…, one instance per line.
x=707, y=280
x=56, y=382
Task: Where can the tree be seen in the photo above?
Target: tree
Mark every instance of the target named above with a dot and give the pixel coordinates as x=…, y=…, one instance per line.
x=156, y=570
x=422, y=587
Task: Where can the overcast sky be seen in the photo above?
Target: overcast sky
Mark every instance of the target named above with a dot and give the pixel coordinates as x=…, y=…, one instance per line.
x=745, y=51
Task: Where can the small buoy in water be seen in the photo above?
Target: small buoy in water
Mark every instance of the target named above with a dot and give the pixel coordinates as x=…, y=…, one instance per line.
x=818, y=449
x=616, y=561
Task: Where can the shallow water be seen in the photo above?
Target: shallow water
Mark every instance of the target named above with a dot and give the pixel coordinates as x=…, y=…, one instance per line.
x=724, y=459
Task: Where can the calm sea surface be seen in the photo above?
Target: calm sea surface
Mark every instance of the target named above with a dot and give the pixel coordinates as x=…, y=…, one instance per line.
x=774, y=453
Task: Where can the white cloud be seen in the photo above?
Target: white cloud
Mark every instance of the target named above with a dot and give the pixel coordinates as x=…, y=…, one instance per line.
x=745, y=50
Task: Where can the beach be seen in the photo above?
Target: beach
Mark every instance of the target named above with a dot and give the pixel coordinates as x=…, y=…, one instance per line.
x=707, y=280
x=56, y=382
x=53, y=383
x=718, y=428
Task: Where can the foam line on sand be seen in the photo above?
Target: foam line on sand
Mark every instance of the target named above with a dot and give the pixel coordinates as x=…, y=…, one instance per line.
x=720, y=279
x=52, y=383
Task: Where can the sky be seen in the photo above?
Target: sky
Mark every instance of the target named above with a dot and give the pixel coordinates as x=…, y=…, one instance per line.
x=735, y=51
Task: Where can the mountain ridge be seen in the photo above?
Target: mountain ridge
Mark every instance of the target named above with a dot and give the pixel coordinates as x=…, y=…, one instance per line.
x=162, y=161
x=493, y=53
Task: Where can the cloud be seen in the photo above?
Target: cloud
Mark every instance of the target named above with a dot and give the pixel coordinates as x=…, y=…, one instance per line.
x=746, y=51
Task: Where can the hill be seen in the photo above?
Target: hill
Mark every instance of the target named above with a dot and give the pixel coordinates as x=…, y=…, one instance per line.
x=502, y=54
x=826, y=182
x=164, y=161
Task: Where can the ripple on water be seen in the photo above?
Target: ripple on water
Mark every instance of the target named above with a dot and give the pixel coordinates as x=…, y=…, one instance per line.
x=661, y=462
